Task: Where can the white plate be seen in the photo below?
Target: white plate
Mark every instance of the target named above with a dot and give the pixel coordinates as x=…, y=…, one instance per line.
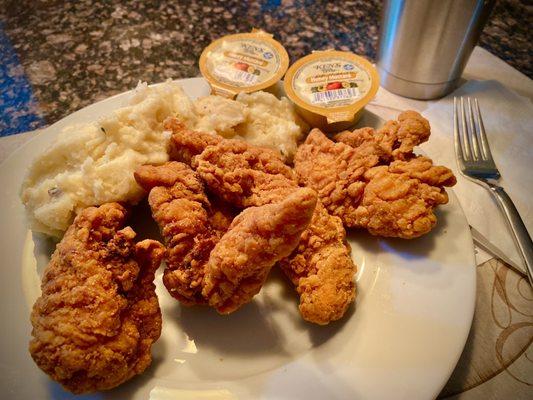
x=413, y=314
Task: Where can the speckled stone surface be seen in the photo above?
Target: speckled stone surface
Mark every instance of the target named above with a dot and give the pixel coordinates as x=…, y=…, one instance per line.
x=75, y=53
x=508, y=34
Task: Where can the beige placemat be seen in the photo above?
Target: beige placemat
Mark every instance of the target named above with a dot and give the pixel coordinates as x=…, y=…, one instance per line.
x=497, y=362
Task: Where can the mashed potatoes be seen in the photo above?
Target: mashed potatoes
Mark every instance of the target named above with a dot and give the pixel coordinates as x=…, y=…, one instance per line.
x=259, y=118
x=92, y=164
x=271, y=123
x=218, y=115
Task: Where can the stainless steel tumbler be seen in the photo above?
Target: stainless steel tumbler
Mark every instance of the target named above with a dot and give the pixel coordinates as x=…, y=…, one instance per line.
x=425, y=44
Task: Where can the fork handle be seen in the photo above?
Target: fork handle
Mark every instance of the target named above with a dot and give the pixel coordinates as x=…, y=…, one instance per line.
x=520, y=233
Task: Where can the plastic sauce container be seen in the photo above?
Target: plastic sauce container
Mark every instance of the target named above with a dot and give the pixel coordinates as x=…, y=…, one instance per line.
x=244, y=62
x=331, y=88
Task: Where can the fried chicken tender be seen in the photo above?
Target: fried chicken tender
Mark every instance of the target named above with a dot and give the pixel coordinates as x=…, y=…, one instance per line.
x=184, y=143
x=244, y=175
x=248, y=176
x=190, y=224
x=394, y=141
x=98, y=314
x=335, y=171
x=422, y=168
x=322, y=269
x=210, y=261
x=399, y=199
x=368, y=142
x=257, y=239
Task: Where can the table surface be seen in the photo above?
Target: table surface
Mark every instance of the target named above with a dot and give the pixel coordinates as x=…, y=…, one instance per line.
x=77, y=53
x=61, y=56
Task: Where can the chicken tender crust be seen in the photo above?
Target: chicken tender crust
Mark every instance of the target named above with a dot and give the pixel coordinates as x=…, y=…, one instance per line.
x=257, y=239
x=190, y=224
x=395, y=200
x=322, y=269
x=244, y=175
x=98, y=314
x=250, y=176
x=334, y=170
x=212, y=260
x=394, y=141
x=184, y=143
x=399, y=199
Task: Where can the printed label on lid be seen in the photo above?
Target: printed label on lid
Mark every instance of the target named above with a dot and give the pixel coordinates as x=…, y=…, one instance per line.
x=243, y=62
x=331, y=82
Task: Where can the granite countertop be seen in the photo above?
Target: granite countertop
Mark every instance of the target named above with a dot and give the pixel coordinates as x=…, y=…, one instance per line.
x=60, y=56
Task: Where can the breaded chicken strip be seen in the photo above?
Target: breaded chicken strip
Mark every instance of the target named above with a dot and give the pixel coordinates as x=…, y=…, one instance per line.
x=399, y=199
x=335, y=171
x=395, y=201
x=184, y=143
x=241, y=174
x=322, y=269
x=394, y=141
x=98, y=314
x=244, y=175
x=257, y=239
x=367, y=142
x=225, y=274
x=255, y=178
x=190, y=224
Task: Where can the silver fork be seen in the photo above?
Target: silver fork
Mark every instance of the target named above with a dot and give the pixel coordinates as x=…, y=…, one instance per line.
x=476, y=164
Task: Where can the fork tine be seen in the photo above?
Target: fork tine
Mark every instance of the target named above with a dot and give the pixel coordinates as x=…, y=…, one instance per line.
x=466, y=136
x=456, y=134
x=473, y=132
x=482, y=136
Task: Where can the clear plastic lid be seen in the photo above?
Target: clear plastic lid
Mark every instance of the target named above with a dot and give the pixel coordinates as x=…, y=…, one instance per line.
x=244, y=62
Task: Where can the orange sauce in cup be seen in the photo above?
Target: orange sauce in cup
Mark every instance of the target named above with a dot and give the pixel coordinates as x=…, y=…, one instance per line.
x=331, y=88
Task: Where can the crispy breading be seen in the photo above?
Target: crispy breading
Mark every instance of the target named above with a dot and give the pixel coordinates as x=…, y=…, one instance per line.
x=185, y=144
x=422, y=168
x=334, y=170
x=410, y=130
x=190, y=225
x=368, y=142
x=211, y=261
x=242, y=174
x=247, y=176
x=399, y=199
x=98, y=313
x=239, y=173
x=394, y=141
x=322, y=269
x=257, y=239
